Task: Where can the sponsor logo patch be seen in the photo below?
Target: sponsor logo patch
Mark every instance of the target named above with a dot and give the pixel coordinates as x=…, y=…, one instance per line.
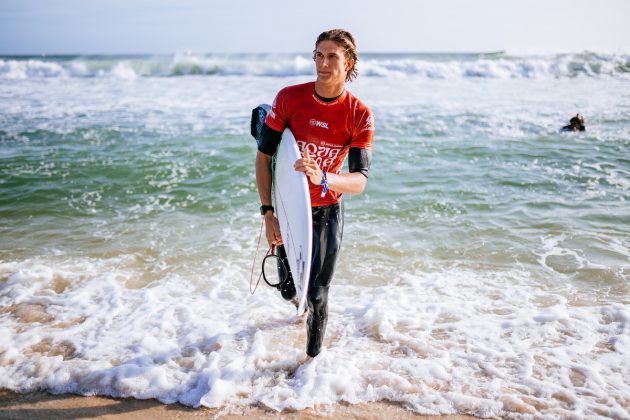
x=325, y=156
x=369, y=124
x=320, y=124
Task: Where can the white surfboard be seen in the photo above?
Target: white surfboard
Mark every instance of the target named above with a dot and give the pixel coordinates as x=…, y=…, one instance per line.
x=292, y=203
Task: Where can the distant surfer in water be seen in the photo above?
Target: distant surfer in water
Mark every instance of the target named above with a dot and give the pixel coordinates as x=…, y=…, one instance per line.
x=575, y=124
x=329, y=123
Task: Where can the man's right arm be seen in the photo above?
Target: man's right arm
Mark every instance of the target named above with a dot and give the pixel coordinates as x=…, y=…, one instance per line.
x=266, y=149
x=263, y=177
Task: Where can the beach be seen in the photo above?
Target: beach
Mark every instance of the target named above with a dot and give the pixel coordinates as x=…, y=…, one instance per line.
x=484, y=271
x=43, y=406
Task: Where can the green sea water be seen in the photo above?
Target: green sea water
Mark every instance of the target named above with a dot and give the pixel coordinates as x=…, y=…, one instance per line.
x=463, y=174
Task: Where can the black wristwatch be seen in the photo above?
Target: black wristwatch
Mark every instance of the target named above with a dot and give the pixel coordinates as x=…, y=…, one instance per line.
x=264, y=209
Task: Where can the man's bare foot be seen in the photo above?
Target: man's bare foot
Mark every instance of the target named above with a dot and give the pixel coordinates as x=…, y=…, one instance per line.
x=301, y=361
x=300, y=319
x=308, y=359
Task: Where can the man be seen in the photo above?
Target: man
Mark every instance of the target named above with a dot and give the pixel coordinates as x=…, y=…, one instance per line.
x=575, y=124
x=329, y=123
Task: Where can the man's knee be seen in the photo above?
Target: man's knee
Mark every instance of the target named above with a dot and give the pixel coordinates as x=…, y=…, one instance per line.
x=318, y=298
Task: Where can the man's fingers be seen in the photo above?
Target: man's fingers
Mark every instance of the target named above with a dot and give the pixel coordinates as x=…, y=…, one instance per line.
x=270, y=240
x=277, y=232
x=301, y=166
x=307, y=165
x=304, y=164
x=273, y=233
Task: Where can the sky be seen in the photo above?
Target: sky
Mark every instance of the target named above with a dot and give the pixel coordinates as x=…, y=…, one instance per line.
x=34, y=27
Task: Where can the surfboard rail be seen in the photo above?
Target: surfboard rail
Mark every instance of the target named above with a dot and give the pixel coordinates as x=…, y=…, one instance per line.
x=292, y=202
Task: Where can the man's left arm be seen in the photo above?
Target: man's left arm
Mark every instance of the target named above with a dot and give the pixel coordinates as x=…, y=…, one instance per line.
x=353, y=182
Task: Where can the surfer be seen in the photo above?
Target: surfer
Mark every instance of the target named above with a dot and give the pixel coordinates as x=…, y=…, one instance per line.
x=329, y=124
x=575, y=124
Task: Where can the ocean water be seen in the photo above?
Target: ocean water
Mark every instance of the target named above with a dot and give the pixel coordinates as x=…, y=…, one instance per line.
x=485, y=269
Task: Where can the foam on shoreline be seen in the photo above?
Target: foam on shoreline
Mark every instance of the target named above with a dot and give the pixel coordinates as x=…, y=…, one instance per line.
x=437, y=343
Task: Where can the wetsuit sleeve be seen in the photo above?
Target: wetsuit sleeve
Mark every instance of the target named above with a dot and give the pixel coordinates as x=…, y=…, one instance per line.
x=269, y=140
x=359, y=160
x=360, y=153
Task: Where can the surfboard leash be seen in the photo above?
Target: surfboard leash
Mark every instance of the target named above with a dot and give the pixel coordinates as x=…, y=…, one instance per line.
x=251, y=277
x=271, y=252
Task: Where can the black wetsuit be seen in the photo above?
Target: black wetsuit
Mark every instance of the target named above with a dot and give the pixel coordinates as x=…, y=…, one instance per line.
x=327, y=234
x=569, y=128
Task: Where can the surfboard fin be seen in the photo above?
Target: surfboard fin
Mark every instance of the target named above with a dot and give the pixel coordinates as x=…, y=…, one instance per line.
x=258, y=119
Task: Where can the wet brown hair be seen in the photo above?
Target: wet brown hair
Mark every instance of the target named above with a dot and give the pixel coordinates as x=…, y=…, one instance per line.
x=346, y=41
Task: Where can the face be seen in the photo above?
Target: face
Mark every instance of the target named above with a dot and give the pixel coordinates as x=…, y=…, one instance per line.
x=331, y=63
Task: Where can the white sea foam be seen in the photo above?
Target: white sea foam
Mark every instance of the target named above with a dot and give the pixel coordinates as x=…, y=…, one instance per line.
x=488, y=344
x=123, y=71
x=14, y=69
x=410, y=65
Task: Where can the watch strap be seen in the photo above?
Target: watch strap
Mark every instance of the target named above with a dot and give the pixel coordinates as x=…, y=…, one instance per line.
x=264, y=209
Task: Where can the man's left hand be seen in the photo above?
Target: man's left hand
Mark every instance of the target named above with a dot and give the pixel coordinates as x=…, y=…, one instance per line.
x=309, y=166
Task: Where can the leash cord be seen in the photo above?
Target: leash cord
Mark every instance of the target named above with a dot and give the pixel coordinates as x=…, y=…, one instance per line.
x=271, y=252
x=251, y=277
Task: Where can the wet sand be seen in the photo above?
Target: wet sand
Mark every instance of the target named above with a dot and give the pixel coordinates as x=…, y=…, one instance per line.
x=45, y=406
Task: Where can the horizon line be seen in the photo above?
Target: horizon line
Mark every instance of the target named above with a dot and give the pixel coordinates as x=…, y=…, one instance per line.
x=191, y=52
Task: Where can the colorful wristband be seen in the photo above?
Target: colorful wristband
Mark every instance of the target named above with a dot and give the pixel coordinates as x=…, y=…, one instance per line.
x=324, y=183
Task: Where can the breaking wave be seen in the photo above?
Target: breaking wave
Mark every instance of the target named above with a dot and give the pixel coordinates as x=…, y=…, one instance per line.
x=434, y=66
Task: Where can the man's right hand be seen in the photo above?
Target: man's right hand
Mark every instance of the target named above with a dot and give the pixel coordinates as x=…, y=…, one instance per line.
x=272, y=229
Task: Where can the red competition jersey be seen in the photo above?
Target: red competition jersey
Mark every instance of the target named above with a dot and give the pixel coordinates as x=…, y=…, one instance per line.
x=327, y=129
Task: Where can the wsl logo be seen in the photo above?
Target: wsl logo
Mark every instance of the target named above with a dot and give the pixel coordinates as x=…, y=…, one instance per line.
x=320, y=124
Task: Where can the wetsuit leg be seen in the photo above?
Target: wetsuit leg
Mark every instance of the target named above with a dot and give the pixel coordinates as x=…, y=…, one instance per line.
x=287, y=289
x=327, y=235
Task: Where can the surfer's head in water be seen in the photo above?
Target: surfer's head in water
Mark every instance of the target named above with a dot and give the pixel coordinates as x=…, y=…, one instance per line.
x=335, y=55
x=575, y=124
